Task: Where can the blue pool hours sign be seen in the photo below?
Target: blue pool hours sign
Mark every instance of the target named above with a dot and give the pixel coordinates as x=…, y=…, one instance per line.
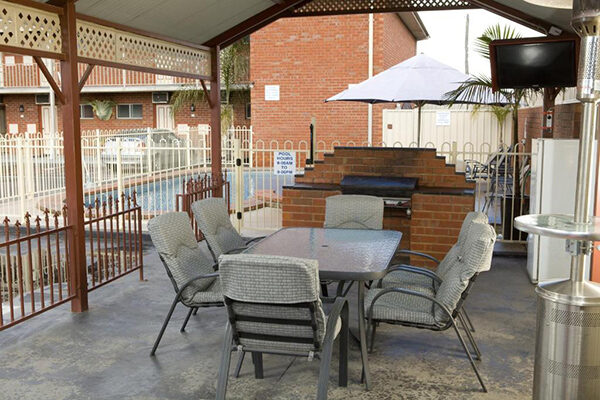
x=285, y=163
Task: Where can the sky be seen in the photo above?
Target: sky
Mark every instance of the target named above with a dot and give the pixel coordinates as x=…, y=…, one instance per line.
x=447, y=37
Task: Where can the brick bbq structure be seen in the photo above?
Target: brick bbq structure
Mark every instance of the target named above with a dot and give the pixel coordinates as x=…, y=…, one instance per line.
x=429, y=216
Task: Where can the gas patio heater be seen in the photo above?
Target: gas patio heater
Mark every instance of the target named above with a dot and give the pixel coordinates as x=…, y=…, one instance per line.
x=567, y=355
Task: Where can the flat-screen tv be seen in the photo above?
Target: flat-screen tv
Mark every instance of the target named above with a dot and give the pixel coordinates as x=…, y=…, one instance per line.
x=534, y=62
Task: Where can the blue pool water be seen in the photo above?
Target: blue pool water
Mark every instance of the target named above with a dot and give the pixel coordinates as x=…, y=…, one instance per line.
x=160, y=195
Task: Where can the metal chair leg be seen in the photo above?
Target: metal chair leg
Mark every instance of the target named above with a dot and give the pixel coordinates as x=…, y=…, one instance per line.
x=164, y=325
x=324, y=291
x=238, y=367
x=344, y=342
x=464, y=312
x=187, y=318
x=372, y=338
x=224, y=368
x=324, y=370
x=470, y=336
x=257, y=360
x=468, y=353
x=348, y=289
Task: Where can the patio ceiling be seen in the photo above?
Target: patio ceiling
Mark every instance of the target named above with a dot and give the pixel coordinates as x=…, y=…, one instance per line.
x=220, y=22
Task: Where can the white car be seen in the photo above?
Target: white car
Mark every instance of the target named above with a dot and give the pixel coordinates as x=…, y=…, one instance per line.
x=141, y=149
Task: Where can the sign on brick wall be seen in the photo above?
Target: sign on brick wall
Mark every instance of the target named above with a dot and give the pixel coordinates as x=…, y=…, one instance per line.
x=272, y=92
x=285, y=163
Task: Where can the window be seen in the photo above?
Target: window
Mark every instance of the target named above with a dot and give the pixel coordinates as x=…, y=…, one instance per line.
x=9, y=60
x=86, y=111
x=248, y=111
x=27, y=60
x=129, y=111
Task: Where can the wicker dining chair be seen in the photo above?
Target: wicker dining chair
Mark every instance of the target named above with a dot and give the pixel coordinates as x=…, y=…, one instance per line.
x=352, y=211
x=442, y=310
x=274, y=307
x=191, y=272
x=425, y=280
x=213, y=219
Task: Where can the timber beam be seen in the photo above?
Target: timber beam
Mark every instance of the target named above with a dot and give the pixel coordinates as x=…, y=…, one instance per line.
x=50, y=78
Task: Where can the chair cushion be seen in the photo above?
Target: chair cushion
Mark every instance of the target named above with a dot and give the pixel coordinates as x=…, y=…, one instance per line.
x=174, y=239
x=354, y=212
x=211, y=294
x=213, y=220
x=472, y=217
x=475, y=256
x=409, y=280
x=399, y=307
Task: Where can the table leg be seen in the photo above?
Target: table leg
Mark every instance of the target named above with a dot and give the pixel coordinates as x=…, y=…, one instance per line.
x=363, y=334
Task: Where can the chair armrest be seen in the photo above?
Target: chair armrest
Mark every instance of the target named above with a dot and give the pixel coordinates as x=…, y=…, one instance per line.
x=188, y=283
x=407, y=292
x=254, y=239
x=237, y=250
x=340, y=308
x=416, y=253
x=415, y=270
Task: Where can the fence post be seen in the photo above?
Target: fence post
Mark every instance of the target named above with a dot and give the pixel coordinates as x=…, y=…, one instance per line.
x=28, y=157
x=454, y=153
x=98, y=160
x=188, y=147
x=21, y=175
x=119, y=169
x=239, y=184
x=149, y=149
x=251, y=147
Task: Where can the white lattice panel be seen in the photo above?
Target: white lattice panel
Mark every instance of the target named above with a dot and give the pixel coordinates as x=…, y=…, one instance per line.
x=104, y=43
x=95, y=41
x=29, y=28
x=317, y=7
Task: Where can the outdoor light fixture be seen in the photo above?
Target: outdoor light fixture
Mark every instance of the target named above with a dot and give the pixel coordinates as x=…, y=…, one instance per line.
x=21, y=108
x=552, y=3
x=193, y=108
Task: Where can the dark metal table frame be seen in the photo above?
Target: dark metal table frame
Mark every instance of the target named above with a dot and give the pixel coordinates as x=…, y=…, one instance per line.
x=344, y=255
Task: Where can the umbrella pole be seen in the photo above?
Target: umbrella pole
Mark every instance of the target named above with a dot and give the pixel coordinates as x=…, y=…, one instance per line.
x=419, y=127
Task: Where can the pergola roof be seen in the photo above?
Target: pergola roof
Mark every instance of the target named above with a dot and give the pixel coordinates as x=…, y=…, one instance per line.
x=188, y=20
x=219, y=22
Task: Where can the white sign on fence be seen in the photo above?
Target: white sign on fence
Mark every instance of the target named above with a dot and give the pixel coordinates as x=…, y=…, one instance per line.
x=285, y=163
x=442, y=118
x=271, y=92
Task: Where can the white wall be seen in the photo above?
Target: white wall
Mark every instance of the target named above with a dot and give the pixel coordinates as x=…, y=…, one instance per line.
x=473, y=132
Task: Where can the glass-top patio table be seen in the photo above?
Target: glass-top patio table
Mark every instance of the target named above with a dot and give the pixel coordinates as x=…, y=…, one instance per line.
x=343, y=254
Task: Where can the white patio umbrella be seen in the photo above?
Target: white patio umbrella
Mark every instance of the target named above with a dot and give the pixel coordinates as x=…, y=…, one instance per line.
x=420, y=80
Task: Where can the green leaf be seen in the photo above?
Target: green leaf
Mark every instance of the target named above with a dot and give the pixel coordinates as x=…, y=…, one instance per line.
x=103, y=108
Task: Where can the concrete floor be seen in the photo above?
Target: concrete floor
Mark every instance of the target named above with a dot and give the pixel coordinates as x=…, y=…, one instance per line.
x=104, y=353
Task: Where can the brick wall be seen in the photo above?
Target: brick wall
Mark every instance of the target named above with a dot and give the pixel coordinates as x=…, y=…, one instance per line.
x=567, y=121
x=424, y=164
x=436, y=222
x=436, y=219
x=313, y=58
x=33, y=112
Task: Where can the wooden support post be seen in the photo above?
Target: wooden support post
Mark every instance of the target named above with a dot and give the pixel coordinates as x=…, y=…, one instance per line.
x=72, y=155
x=215, y=116
x=548, y=111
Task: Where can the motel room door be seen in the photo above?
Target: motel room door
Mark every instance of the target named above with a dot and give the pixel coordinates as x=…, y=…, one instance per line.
x=164, y=117
x=49, y=135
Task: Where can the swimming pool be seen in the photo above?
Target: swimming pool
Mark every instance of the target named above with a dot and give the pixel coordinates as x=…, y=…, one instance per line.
x=160, y=195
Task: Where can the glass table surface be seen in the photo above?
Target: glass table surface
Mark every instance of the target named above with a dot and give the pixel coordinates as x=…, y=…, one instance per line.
x=343, y=254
